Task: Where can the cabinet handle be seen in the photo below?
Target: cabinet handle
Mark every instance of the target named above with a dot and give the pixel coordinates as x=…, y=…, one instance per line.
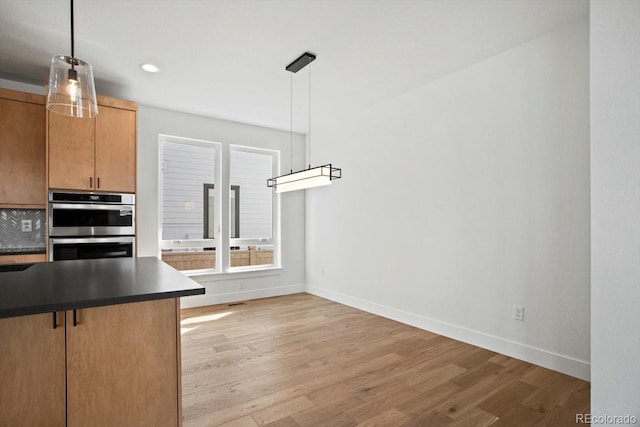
x=90, y=182
x=55, y=320
x=75, y=318
x=98, y=182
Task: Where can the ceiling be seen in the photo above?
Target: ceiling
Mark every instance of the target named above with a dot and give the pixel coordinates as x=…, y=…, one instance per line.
x=226, y=59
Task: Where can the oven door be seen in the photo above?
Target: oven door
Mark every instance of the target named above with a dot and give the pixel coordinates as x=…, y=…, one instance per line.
x=91, y=248
x=84, y=219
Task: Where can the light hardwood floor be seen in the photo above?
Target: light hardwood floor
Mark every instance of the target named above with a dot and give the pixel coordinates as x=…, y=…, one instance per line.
x=301, y=360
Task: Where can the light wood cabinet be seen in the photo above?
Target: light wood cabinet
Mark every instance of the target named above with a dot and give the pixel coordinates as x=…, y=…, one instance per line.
x=115, y=161
x=122, y=366
x=94, y=154
x=32, y=365
x=22, y=141
x=71, y=152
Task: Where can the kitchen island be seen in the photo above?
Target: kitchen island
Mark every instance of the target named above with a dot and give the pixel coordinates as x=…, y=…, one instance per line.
x=92, y=342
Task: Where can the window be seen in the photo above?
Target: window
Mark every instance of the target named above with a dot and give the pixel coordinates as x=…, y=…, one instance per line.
x=189, y=221
x=254, y=244
x=192, y=202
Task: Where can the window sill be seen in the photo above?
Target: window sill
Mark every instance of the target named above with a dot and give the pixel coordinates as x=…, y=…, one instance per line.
x=238, y=273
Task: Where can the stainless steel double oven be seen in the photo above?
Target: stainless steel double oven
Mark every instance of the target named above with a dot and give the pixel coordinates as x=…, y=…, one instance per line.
x=86, y=225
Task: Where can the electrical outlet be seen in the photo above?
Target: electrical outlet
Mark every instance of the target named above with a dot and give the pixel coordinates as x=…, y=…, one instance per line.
x=242, y=285
x=26, y=225
x=518, y=312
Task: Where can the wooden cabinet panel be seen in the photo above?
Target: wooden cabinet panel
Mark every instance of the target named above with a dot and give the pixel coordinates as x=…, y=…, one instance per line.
x=32, y=371
x=120, y=367
x=117, y=378
x=115, y=167
x=71, y=152
x=22, y=259
x=94, y=154
x=22, y=162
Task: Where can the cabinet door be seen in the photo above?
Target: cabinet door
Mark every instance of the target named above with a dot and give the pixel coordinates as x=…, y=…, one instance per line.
x=122, y=365
x=116, y=150
x=32, y=371
x=22, y=132
x=71, y=152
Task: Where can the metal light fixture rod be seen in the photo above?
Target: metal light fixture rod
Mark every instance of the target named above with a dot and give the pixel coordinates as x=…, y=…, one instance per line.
x=73, y=74
x=297, y=65
x=73, y=55
x=310, y=177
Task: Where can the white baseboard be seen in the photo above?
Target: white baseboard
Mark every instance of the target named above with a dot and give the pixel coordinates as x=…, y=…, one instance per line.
x=249, y=294
x=557, y=362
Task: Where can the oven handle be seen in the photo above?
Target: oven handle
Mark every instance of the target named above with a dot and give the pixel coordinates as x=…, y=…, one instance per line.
x=62, y=240
x=91, y=206
x=115, y=254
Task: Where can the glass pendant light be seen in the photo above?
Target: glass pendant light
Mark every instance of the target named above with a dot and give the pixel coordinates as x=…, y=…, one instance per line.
x=310, y=177
x=71, y=91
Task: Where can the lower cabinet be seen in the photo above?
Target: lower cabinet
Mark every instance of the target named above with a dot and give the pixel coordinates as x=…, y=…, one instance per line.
x=32, y=373
x=122, y=366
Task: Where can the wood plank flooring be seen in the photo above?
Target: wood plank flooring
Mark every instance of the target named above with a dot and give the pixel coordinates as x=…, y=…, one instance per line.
x=301, y=360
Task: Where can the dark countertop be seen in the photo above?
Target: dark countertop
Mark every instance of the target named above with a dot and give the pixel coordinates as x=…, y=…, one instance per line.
x=67, y=285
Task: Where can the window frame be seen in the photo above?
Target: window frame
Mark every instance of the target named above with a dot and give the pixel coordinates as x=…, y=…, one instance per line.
x=214, y=243
x=222, y=241
x=275, y=214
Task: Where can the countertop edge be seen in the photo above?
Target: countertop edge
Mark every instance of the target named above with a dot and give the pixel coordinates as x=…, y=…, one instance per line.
x=82, y=284
x=76, y=305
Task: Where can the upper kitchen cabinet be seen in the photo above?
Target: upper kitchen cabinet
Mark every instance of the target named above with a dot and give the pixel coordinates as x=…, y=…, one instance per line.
x=22, y=140
x=116, y=149
x=71, y=152
x=94, y=154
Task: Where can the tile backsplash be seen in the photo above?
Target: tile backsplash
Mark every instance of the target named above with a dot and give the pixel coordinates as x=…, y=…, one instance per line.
x=12, y=237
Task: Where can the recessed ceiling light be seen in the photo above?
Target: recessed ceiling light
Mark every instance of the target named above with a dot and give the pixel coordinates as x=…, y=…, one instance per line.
x=150, y=68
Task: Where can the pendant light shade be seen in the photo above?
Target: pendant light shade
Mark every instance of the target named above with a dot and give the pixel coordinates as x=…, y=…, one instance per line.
x=71, y=90
x=310, y=177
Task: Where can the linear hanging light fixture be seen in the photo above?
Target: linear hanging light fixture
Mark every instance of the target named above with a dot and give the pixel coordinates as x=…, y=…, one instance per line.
x=71, y=91
x=310, y=177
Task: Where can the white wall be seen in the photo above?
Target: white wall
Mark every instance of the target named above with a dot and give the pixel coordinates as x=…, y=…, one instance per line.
x=464, y=197
x=615, y=207
x=23, y=87
x=222, y=288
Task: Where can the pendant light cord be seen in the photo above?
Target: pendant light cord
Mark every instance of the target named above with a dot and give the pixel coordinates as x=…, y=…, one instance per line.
x=309, y=133
x=291, y=122
x=72, y=44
